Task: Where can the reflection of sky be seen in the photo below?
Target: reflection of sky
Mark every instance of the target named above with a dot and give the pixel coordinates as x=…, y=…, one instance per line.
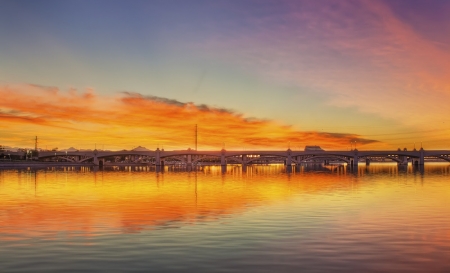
x=314, y=218
x=85, y=203
x=368, y=68
x=88, y=203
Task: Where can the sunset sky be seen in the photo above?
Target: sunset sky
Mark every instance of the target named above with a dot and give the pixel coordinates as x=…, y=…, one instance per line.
x=251, y=74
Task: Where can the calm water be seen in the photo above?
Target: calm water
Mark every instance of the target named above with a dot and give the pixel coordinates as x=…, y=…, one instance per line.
x=315, y=219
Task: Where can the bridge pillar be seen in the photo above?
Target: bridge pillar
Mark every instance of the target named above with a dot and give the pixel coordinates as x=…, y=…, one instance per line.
x=355, y=158
x=403, y=160
x=189, y=160
x=96, y=163
x=158, y=157
x=289, y=158
x=367, y=162
x=223, y=161
x=244, y=160
x=422, y=157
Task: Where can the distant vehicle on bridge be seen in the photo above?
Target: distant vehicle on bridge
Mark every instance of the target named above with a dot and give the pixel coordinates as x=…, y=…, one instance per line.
x=313, y=148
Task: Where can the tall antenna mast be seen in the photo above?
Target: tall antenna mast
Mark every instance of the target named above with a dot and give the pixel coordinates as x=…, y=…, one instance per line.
x=196, y=135
x=35, y=144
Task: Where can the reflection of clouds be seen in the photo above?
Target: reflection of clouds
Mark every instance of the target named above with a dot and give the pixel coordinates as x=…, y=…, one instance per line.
x=132, y=119
x=76, y=203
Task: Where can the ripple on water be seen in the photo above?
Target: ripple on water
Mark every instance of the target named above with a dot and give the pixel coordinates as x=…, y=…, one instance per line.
x=377, y=220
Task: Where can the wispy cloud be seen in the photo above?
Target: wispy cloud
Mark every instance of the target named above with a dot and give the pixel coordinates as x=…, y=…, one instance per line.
x=359, y=53
x=127, y=119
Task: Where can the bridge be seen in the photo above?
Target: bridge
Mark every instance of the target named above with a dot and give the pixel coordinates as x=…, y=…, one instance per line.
x=223, y=157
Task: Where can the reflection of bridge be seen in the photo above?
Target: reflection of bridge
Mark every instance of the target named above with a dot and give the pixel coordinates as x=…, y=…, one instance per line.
x=289, y=157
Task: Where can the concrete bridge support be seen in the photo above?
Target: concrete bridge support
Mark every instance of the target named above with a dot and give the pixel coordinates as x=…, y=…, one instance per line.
x=403, y=160
x=223, y=161
x=158, y=157
x=244, y=162
x=189, y=160
x=289, y=158
x=355, y=158
x=421, y=157
x=96, y=162
x=367, y=161
x=420, y=160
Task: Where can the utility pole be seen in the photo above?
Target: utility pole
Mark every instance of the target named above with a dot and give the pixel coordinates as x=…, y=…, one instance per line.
x=196, y=135
x=35, y=144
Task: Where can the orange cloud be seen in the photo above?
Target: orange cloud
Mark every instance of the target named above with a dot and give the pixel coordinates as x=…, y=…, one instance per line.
x=129, y=119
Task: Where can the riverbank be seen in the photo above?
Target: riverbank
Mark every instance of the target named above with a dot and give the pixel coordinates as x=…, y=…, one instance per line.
x=25, y=164
x=40, y=164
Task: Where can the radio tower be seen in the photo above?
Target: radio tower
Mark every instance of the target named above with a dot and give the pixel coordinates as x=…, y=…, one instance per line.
x=35, y=144
x=196, y=134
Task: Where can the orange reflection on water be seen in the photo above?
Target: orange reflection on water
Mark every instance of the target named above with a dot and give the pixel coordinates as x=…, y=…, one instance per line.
x=55, y=203
x=378, y=216
x=49, y=204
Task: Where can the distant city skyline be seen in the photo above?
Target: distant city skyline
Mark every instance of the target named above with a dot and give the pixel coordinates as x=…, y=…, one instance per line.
x=250, y=74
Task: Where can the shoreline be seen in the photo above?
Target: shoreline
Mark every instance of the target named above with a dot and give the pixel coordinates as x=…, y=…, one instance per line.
x=31, y=164
x=6, y=164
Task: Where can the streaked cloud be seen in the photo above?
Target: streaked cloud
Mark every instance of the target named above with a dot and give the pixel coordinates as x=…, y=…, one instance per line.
x=73, y=118
x=358, y=53
x=374, y=68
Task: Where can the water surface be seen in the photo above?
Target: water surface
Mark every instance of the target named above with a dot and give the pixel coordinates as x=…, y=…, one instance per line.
x=314, y=218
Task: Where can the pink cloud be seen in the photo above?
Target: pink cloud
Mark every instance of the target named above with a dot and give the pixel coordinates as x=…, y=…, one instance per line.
x=359, y=53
